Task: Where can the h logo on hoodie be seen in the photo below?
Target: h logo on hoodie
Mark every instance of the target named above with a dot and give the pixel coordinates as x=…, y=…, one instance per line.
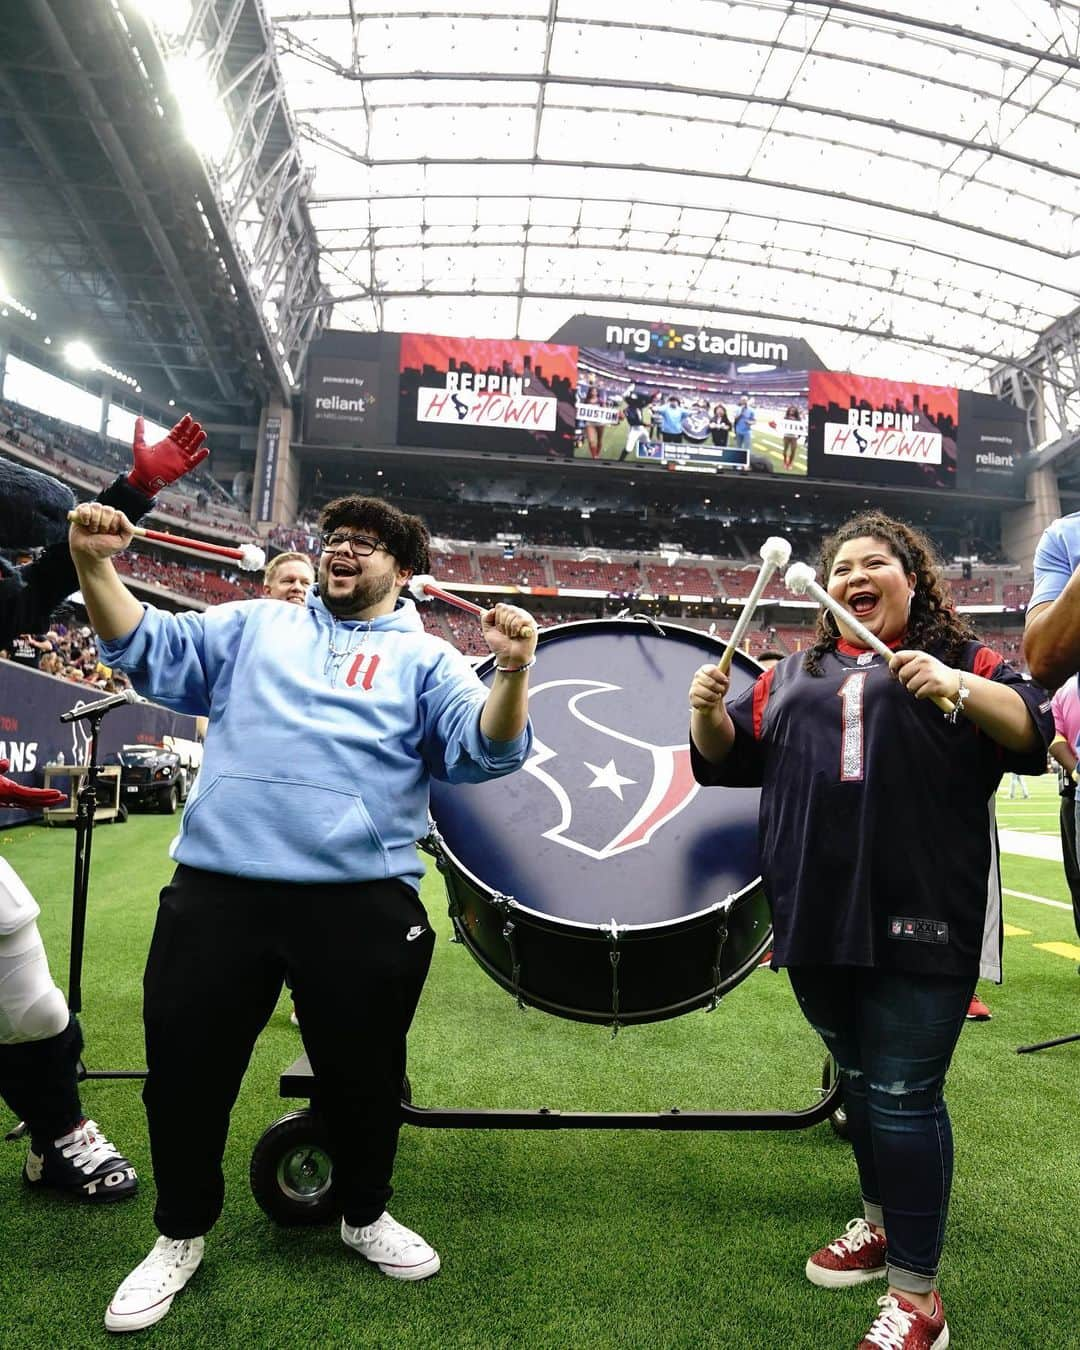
x=362, y=671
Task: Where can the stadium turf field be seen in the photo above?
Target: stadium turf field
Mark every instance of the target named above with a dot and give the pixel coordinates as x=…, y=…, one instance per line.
x=569, y=1239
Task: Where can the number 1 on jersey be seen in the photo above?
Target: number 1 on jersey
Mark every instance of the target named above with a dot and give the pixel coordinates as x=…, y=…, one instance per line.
x=850, y=694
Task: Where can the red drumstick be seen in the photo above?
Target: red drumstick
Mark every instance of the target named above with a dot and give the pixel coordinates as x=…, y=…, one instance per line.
x=250, y=557
x=423, y=588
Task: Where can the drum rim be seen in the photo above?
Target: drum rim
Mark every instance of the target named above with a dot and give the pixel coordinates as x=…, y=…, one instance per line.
x=729, y=902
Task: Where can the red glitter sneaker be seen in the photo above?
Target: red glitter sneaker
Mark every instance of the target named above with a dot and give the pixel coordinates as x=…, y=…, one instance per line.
x=854, y=1258
x=901, y=1326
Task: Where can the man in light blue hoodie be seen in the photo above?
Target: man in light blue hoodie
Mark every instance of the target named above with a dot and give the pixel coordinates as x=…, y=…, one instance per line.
x=297, y=855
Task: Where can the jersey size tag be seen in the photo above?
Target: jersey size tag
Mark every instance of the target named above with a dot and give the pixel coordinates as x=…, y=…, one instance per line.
x=918, y=930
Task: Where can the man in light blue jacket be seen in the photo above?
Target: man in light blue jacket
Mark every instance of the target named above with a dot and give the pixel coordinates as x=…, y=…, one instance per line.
x=297, y=855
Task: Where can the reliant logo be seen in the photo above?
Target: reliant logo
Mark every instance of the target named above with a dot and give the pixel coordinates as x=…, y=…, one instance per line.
x=664, y=338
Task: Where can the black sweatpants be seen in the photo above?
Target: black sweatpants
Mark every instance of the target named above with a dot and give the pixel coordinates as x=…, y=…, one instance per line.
x=39, y=1080
x=357, y=956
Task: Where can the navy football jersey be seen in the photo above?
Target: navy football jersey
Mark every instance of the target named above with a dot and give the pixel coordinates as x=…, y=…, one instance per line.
x=878, y=838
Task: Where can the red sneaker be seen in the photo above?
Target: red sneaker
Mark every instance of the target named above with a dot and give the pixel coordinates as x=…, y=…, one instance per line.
x=766, y=960
x=854, y=1258
x=901, y=1326
x=978, y=1011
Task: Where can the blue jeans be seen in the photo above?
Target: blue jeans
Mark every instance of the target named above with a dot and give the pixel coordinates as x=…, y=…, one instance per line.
x=742, y=439
x=892, y=1035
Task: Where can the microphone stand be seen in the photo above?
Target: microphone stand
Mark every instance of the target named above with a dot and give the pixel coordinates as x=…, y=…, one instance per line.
x=86, y=808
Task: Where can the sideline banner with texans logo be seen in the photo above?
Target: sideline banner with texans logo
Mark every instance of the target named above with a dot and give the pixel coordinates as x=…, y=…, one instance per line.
x=32, y=735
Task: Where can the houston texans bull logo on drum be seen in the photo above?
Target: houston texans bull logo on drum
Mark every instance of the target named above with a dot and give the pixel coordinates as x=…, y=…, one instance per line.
x=602, y=837
x=613, y=790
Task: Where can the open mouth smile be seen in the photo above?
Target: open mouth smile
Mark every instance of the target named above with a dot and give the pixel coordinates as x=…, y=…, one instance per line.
x=862, y=603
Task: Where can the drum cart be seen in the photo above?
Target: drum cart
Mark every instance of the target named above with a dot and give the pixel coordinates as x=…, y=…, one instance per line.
x=602, y=693
x=292, y=1172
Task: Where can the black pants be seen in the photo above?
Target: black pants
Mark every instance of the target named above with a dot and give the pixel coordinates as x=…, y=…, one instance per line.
x=357, y=956
x=1068, y=852
x=39, y=1081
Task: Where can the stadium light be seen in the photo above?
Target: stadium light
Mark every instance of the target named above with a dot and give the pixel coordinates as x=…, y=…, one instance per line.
x=80, y=355
x=9, y=301
x=206, y=123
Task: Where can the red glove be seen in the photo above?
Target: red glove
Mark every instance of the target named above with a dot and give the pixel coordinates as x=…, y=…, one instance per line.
x=14, y=794
x=156, y=466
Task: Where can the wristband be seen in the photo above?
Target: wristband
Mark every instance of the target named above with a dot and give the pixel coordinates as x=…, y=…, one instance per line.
x=516, y=670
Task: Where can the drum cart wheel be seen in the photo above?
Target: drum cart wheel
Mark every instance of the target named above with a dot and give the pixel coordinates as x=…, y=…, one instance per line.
x=292, y=1173
x=830, y=1087
x=292, y=1176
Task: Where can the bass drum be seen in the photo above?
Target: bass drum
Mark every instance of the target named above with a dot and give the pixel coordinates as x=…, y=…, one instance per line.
x=600, y=883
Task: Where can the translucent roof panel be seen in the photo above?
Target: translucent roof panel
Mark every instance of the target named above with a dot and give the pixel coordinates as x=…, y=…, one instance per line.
x=901, y=188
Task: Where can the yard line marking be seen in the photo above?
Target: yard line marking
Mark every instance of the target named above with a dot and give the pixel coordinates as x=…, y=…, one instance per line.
x=1067, y=949
x=1038, y=899
x=1010, y=930
x=1031, y=845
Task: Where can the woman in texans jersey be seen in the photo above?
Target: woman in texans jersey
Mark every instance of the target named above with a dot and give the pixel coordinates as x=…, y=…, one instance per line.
x=880, y=861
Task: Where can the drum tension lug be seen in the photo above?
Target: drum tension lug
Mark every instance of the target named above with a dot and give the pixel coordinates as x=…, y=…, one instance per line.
x=614, y=933
x=504, y=904
x=721, y=939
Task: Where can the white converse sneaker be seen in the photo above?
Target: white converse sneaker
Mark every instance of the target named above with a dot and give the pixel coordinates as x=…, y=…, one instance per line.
x=395, y=1249
x=147, y=1294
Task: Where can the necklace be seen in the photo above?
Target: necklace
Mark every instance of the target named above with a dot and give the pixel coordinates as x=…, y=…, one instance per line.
x=336, y=656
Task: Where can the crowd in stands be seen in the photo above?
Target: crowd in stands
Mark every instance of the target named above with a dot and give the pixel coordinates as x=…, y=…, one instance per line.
x=514, y=571
x=182, y=579
x=67, y=651
x=80, y=457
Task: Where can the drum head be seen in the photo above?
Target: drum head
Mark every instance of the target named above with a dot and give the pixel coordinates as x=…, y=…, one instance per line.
x=605, y=822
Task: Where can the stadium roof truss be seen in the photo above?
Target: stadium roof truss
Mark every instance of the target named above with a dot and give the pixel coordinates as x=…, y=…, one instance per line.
x=197, y=274
x=903, y=191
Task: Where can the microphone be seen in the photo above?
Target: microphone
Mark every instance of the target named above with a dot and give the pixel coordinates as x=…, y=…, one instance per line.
x=101, y=706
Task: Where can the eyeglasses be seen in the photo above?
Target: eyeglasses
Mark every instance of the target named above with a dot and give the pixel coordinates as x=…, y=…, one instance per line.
x=359, y=545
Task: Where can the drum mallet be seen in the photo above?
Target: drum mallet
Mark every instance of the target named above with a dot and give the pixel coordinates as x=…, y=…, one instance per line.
x=775, y=553
x=250, y=557
x=423, y=588
x=799, y=579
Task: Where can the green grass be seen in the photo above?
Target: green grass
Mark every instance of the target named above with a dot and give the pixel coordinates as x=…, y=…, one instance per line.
x=565, y=1238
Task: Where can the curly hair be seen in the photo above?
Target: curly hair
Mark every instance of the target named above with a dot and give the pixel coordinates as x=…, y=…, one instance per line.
x=406, y=537
x=933, y=620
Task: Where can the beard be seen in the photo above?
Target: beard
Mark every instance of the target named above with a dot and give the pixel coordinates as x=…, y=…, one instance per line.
x=364, y=594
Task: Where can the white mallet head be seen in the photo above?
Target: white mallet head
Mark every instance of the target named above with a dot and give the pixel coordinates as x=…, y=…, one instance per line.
x=252, y=558
x=798, y=578
x=416, y=588
x=776, y=551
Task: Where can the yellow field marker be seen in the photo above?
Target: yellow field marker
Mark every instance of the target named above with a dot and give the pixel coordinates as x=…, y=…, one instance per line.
x=1010, y=930
x=1069, y=950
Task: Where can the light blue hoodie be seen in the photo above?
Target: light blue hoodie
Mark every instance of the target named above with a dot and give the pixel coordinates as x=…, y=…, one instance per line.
x=323, y=734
